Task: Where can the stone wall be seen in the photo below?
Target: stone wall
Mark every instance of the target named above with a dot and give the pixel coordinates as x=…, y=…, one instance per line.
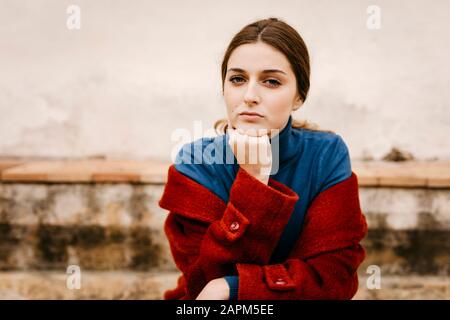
x=117, y=229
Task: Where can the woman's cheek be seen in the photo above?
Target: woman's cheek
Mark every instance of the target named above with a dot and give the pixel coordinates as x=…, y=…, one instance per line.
x=281, y=101
x=276, y=104
x=232, y=104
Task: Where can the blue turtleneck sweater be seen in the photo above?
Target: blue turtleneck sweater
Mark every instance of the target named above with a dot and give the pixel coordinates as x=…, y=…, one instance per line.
x=309, y=162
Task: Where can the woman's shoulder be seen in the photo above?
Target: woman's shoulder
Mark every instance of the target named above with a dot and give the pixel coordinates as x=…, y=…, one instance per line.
x=319, y=137
x=199, y=161
x=324, y=144
x=204, y=151
x=330, y=155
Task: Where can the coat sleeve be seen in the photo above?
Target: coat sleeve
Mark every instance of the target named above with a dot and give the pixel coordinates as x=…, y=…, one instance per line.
x=324, y=262
x=207, y=244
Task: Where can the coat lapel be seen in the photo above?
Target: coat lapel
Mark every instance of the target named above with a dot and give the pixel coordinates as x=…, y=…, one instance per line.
x=190, y=199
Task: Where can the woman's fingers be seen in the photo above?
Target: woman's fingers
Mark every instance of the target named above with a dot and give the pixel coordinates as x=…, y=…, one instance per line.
x=264, y=151
x=250, y=149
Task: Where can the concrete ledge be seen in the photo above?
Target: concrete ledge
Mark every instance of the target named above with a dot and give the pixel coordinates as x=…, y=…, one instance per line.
x=407, y=174
x=79, y=171
x=117, y=285
x=405, y=288
x=145, y=285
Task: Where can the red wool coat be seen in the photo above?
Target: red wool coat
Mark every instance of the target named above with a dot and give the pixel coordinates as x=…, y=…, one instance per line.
x=210, y=239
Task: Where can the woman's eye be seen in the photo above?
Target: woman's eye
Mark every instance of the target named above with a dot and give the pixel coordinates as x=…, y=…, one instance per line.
x=233, y=79
x=273, y=82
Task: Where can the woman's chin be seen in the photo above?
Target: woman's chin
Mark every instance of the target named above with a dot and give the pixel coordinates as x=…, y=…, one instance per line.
x=255, y=127
x=248, y=126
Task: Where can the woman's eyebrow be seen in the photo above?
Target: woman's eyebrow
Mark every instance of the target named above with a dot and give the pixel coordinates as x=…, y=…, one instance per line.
x=264, y=71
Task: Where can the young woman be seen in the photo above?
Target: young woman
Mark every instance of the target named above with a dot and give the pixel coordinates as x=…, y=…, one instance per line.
x=239, y=231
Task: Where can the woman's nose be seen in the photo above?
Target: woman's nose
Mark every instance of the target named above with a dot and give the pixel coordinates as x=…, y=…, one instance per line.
x=251, y=95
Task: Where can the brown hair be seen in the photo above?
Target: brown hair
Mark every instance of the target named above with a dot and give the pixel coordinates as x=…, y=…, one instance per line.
x=285, y=39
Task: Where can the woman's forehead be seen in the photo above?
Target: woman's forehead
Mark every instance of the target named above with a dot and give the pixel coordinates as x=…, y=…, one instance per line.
x=258, y=57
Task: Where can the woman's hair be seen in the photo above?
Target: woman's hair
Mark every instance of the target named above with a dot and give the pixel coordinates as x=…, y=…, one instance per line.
x=285, y=39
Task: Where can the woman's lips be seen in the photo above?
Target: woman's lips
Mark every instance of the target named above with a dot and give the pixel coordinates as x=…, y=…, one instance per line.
x=250, y=116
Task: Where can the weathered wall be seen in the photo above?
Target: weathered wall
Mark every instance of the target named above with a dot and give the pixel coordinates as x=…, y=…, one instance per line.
x=95, y=226
x=120, y=227
x=137, y=70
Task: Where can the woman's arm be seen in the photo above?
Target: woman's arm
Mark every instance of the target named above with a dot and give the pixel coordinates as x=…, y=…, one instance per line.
x=324, y=262
x=330, y=275
x=247, y=231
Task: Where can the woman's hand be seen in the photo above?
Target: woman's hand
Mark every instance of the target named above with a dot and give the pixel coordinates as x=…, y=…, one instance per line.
x=253, y=151
x=216, y=289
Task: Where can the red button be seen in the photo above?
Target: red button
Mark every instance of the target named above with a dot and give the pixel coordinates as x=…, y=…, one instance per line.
x=280, y=282
x=234, y=226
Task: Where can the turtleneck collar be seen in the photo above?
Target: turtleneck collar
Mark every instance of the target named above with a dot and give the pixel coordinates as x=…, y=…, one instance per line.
x=286, y=146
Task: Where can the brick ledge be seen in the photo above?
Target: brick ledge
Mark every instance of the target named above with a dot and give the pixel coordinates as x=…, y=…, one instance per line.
x=414, y=174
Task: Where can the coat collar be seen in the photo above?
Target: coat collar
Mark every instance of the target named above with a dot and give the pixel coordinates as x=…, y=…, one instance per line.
x=189, y=198
x=286, y=143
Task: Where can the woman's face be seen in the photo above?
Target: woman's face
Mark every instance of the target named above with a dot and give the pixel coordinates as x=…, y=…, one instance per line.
x=259, y=80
